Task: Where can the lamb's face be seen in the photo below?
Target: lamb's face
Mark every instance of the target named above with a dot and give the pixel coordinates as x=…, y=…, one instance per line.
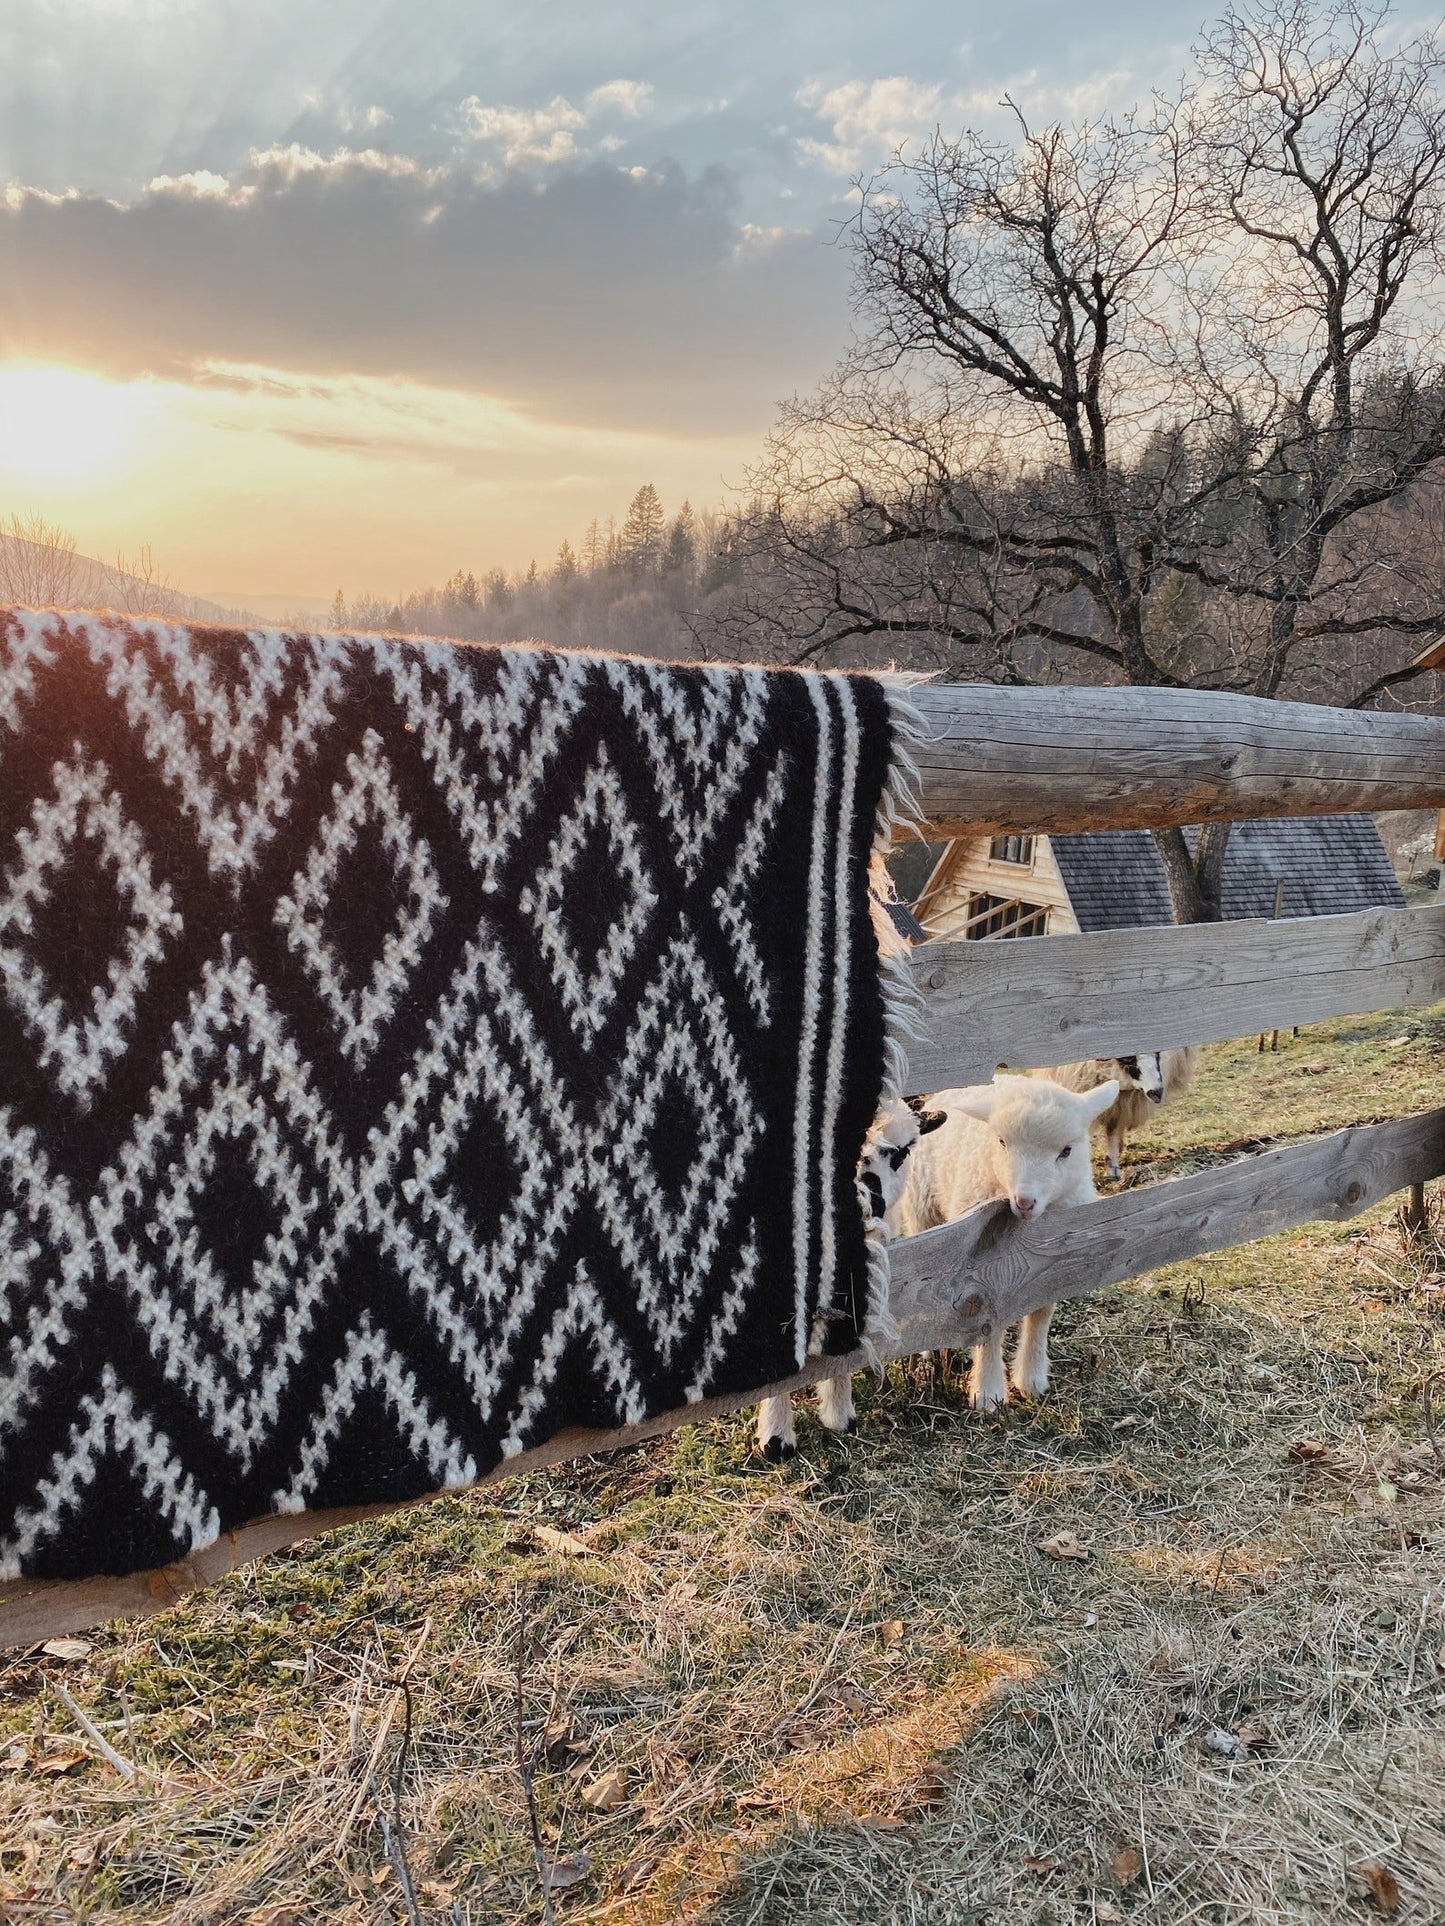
x=1144, y=1073
x=883, y=1171
x=1043, y=1138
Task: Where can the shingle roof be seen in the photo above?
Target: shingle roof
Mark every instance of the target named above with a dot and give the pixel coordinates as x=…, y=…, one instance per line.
x=910, y=864
x=1328, y=865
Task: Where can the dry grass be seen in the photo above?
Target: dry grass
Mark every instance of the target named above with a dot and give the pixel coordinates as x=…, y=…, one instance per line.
x=856, y=1691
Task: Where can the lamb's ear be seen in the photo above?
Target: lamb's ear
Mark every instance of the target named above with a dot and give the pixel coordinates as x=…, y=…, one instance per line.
x=930, y=1120
x=1097, y=1101
x=978, y=1102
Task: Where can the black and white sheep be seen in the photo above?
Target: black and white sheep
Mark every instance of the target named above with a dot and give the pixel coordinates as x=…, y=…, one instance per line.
x=1145, y=1081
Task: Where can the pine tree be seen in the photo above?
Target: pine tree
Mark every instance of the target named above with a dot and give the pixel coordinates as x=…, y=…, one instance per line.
x=566, y=569
x=679, y=557
x=640, y=544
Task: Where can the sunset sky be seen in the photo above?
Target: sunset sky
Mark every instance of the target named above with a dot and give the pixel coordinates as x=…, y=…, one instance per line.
x=320, y=293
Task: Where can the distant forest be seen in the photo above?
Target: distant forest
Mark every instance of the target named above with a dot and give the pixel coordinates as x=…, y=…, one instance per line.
x=648, y=585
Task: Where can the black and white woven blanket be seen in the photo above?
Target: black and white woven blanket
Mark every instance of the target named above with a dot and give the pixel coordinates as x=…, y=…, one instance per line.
x=408, y=1051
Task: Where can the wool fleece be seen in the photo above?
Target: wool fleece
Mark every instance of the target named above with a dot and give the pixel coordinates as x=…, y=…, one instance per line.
x=410, y=1050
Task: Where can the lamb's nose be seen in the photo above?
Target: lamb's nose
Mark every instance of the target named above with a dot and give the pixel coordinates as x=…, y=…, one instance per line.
x=1156, y=1096
x=1025, y=1206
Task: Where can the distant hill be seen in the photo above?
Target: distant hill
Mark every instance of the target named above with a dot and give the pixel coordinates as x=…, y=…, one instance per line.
x=50, y=574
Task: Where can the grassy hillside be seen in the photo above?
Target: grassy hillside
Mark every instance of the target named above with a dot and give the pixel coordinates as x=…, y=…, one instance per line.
x=1170, y=1646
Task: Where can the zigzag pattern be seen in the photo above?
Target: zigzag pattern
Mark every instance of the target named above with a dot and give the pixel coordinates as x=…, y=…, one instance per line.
x=408, y=1051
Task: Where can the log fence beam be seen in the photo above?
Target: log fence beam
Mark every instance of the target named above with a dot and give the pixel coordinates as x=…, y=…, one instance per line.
x=1004, y=759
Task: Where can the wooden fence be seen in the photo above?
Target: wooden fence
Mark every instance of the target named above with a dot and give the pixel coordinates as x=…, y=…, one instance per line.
x=1003, y=760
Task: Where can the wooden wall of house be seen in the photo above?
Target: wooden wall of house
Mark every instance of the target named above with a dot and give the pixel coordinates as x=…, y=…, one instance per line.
x=966, y=869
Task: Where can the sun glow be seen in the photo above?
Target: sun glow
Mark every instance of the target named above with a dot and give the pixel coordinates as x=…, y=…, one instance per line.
x=57, y=424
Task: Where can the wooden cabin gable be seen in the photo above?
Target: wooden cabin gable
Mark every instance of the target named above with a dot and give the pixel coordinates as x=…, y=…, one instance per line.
x=989, y=884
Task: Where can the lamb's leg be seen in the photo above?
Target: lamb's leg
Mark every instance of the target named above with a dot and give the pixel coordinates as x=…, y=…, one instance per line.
x=1115, y=1150
x=835, y=1403
x=987, y=1384
x=1031, y=1360
x=776, y=1439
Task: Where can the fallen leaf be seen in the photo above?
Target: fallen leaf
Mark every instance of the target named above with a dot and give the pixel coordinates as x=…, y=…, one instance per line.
x=891, y=1630
x=570, y=1870
x=1228, y=1745
x=933, y=1789
x=55, y=1763
x=1063, y=1545
x=556, y=1747
x=566, y=1542
x=275, y=1916
x=72, y=1650
x=607, y=1791
x=16, y=1759
x=1388, y=1492
x=1383, y=1886
x=1126, y=1866
x=1307, y=1451
x=298, y=1611
x=636, y=1871
x=1109, y=1914
x=1042, y=1864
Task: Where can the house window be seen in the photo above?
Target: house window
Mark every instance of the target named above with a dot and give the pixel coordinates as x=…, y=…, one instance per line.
x=1012, y=849
x=997, y=916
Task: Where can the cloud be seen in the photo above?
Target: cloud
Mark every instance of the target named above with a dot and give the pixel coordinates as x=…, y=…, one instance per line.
x=362, y=120
x=870, y=119
x=869, y=116
x=201, y=185
x=626, y=297
x=630, y=97
x=547, y=136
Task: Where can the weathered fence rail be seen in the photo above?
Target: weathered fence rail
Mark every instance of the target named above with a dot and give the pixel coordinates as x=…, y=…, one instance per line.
x=1061, y=759
x=1029, y=1004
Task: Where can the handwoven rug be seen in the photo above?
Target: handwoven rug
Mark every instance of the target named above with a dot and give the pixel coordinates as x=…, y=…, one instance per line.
x=410, y=1050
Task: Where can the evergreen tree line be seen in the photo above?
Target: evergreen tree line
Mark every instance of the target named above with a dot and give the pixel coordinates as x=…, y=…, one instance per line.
x=644, y=586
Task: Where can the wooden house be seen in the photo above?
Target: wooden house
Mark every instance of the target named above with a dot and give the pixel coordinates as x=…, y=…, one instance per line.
x=1434, y=658
x=984, y=887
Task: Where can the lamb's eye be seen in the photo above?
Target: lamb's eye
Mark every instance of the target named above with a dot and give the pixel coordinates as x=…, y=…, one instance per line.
x=1064, y=1152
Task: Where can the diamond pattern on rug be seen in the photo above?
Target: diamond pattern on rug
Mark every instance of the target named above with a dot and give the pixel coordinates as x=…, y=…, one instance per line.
x=412, y=1051
x=80, y=857
x=361, y=990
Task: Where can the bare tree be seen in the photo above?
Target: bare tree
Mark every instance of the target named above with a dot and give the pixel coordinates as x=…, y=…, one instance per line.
x=141, y=587
x=39, y=567
x=1158, y=400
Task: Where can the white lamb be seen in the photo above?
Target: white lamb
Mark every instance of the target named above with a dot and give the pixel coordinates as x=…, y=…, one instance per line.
x=882, y=1179
x=1024, y=1138
x=1144, y=1080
